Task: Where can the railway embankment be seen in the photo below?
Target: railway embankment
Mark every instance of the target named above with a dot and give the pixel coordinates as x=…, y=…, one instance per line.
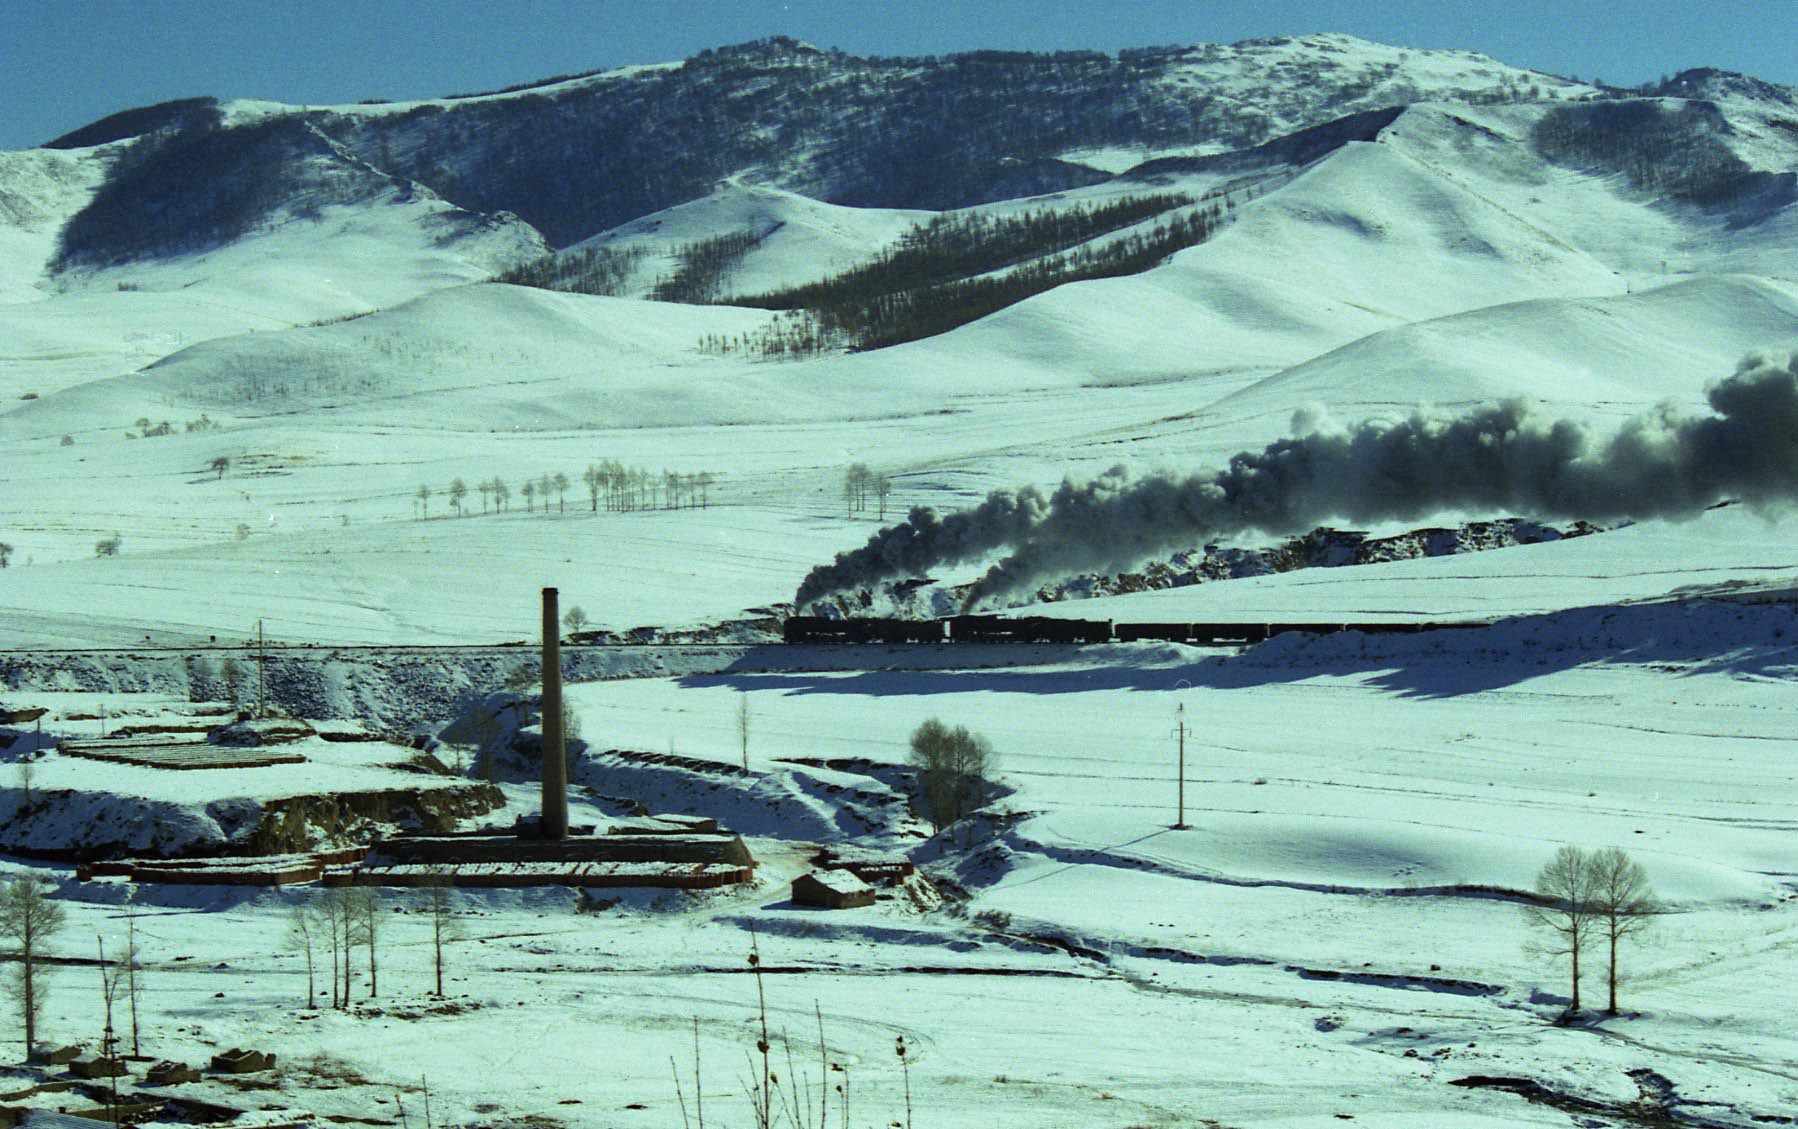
x=400, y=690
x=403, y=689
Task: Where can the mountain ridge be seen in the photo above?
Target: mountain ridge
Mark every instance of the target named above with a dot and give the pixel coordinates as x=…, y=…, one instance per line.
x=869, y=132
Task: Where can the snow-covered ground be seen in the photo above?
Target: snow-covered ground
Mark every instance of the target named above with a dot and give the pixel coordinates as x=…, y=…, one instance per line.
x=1336, y=932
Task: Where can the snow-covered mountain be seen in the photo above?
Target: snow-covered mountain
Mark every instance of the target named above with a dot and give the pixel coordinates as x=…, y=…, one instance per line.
x=578, y=156
x=255, y=339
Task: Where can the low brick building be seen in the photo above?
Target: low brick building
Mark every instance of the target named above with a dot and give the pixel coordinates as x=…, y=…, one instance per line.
x=832, y=889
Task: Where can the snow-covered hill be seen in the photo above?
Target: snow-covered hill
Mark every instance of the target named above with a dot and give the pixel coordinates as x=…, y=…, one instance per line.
x=1495, y=234
x=796, y=239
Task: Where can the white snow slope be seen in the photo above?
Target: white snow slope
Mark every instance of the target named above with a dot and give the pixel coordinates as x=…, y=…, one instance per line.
x=1435, y=265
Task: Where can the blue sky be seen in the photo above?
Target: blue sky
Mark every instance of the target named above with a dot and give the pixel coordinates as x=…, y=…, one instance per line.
x=67, y=62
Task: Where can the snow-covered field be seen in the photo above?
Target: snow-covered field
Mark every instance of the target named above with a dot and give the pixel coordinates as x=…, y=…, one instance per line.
x=1336, y=934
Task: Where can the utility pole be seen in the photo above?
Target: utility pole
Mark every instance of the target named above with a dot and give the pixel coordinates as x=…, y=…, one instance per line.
x=1180, y=790
x=261, y=673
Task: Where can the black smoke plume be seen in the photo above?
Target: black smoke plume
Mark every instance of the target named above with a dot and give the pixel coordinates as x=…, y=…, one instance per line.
x=1665, y=463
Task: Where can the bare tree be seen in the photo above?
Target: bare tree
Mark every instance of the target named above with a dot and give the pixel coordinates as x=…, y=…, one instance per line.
x=330, y=910
x=28, y=918
x=5, y=553
x=529, y=490
x=743, y=729
x=953, y=765
x=111, y=977
x=622, y=485
x=365, y=911
x=440, y=903
x=337, y=913
x=133, y=982
x=221, y=464
x=575, y=619
x=1564, y=911
x=424, y=501
x=350, y=925
x=883, y=489
x=486, y=490
x=502, y=494
x=855, y=486
x=594, y=478
x=571, y=729
x=458, y=490
x=302, y=921
x=561, y=485
x=1622, y=904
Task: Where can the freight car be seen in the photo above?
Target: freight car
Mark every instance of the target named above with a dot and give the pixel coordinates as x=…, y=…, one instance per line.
x=1207, y=634
x=1027, y=629
x=1165, y=632
x=823, y=629
x=1047, y=629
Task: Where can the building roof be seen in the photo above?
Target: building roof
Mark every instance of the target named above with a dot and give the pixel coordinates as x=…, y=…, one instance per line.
x=838, y=881
x=49, y=1119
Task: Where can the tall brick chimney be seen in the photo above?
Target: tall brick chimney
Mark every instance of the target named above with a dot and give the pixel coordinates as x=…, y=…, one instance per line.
x=555, y=757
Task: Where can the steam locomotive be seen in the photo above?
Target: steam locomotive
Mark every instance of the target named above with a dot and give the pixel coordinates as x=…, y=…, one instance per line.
x=1047, y=629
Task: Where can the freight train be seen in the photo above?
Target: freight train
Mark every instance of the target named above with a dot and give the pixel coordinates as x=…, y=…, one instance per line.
x=1047, y=629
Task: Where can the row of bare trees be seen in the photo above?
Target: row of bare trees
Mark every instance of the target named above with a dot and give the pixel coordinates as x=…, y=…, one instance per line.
x=860, y=483
x=636, y=488
x=620, y=487
x=345, y=919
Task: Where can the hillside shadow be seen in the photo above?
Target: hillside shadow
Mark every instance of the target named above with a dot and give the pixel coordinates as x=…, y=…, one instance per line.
x=1700, y=637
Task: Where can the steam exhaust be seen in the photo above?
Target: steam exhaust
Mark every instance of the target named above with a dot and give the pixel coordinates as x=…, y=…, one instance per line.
x=1664, y=463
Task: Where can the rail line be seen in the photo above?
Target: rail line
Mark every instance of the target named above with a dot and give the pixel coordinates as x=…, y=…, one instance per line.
x=967, y=631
